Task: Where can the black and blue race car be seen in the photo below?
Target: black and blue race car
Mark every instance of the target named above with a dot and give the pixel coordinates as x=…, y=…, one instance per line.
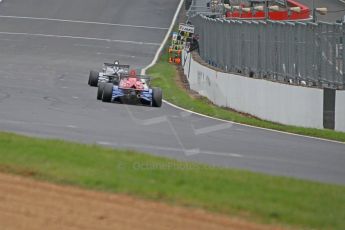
x=109, y=73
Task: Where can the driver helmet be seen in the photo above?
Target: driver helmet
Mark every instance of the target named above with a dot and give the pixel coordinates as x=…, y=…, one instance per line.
x=132, y=73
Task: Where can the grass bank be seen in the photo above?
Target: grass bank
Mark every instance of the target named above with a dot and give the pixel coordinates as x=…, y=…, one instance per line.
x=253, y=196
x=165, y=75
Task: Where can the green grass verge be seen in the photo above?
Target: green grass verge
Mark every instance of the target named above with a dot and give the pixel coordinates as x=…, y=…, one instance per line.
x=164, y=76
x=254, y=196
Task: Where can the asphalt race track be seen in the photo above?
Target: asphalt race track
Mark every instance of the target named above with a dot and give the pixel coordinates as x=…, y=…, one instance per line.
x=47, y=48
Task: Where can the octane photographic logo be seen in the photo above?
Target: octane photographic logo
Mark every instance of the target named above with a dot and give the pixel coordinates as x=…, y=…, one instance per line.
x=185, y=146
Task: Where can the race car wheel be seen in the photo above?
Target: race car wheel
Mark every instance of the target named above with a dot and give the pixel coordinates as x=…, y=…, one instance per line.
x=93, y=78
x=107, y=92
x=100, y=90
x=156, y=97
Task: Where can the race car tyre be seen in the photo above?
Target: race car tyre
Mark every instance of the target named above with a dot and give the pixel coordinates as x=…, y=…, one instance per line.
x=100, y=90
x=93, y=78
x=107, y=92
x=156, y=97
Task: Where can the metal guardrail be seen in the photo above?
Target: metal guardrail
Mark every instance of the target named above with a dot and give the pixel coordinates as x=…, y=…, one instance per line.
x=302, y=53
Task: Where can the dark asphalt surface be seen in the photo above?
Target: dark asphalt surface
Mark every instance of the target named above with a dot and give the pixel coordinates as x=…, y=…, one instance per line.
x=44, y=66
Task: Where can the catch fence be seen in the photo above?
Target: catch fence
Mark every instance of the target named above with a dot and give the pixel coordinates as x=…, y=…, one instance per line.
x=302, y=53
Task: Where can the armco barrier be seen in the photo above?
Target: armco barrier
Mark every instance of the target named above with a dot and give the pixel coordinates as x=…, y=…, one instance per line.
x=281, y=103
x=340, y=111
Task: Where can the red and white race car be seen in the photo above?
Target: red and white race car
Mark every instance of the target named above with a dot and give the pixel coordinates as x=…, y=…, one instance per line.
x=132, y=88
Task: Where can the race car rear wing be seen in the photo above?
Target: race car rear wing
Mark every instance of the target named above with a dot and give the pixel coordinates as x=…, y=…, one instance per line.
x=112, y=75
x=147, y=78
x=116, y=65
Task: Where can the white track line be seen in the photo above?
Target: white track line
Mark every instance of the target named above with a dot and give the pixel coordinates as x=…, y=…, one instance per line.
x=3, y=121
x=83, y=38
x=255, y=127
x=222, y=154
x=143, y=71
x=143, y=146
x=83, y=22
x=91, y=46
x=202, y=115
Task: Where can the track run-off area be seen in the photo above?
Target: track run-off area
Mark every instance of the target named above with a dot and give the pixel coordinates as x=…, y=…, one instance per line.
x=46, y=51
x=30, y=205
